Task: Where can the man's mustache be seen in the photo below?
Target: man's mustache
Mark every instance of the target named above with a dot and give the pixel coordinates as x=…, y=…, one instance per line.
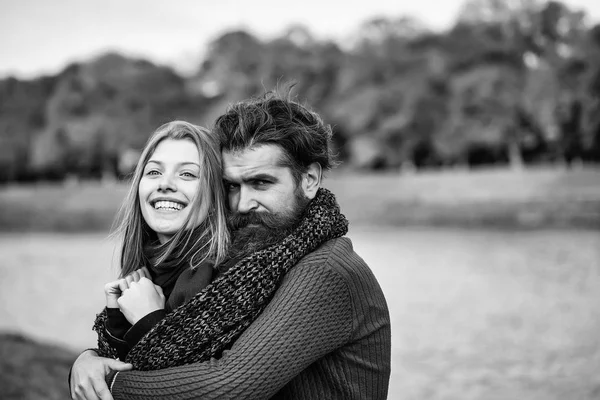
x=238, y=220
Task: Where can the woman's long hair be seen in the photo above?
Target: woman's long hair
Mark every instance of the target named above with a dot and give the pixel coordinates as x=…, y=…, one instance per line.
x=208, y=241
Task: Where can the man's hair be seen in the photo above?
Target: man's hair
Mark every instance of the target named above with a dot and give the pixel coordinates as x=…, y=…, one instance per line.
x=275, y=119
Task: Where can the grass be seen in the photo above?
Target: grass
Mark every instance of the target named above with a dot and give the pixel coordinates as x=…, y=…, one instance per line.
x=533, y=198
x=476, y=313
x=30, y=370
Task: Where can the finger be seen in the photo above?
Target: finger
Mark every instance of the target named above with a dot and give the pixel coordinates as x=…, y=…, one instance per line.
x=145, y=273
x=135, y=275
x=128, y=279
x=123, y=285
x=111, y=287
x=146, y=283
x=84, y=392
x=159, y=290
x=77, y=392
x=112, y=284
x=117, y=365
x=101, y=389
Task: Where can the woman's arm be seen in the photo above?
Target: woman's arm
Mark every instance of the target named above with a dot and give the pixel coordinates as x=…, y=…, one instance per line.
x=140, y=299
x=115, y=328
x=309, y=316
x=111, y=325
x=141, y=306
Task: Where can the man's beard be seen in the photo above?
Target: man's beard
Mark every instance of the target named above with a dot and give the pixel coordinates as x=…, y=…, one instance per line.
x=266, y=228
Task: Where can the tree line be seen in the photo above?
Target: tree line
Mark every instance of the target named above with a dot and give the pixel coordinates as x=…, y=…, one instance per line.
x=511, y=82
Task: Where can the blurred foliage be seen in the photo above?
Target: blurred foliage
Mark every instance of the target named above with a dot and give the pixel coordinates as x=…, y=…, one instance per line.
x=512, y=82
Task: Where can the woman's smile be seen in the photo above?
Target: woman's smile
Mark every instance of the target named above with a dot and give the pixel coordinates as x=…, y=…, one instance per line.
x=169, y=187
x=168, y=205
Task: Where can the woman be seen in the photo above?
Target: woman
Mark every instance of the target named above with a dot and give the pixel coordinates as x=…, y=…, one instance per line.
x=173, y=230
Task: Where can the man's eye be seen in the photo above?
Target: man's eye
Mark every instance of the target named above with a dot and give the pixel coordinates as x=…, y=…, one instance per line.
x=231, y=186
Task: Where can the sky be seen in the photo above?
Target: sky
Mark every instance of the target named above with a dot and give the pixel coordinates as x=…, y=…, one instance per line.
x=41, y=36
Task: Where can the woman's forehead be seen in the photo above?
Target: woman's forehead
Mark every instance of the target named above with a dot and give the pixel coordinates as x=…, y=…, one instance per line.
x=175, y=151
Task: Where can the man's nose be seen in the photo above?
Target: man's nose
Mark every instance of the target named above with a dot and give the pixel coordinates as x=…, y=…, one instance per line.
x=246, y=202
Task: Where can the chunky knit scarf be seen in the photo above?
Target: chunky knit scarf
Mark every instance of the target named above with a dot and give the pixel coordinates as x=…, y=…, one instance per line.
x=211, y=321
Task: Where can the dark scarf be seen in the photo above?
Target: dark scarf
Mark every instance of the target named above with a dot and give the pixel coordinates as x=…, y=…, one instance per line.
x=168, y=271
x=166, y=277
x=210, y=322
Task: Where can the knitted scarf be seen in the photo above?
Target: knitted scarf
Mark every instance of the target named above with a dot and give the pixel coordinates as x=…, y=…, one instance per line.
x=211, y=321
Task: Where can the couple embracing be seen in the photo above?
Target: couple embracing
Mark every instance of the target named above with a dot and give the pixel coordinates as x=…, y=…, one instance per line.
x=237, y=280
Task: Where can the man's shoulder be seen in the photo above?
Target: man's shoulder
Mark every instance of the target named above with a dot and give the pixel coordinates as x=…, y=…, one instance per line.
x=333, y=248
x=337, y=255
x=337, y=260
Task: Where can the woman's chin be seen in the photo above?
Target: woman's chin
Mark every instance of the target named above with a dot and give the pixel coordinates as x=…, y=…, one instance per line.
x=166, y=229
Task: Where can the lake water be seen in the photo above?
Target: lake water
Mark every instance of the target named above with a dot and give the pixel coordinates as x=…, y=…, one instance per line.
x=476, y=314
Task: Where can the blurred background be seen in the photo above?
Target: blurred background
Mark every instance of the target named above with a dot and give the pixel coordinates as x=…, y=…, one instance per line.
x=470, y=138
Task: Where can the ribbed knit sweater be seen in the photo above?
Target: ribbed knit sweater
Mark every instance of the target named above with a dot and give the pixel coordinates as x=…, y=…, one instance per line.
x=324, y=335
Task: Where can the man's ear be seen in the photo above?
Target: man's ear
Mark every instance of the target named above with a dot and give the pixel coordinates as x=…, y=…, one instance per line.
x=311, y=180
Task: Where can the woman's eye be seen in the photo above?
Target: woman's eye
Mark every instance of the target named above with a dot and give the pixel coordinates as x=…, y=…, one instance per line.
x=188, y=175
x=152, y=172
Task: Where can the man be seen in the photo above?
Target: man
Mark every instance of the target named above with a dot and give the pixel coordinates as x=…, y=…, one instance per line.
x=295, y=313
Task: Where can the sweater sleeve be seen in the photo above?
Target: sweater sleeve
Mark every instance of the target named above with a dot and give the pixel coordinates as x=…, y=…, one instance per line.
x=309, y=316
x=116, y=323
x=143, y=326
x=123, y=338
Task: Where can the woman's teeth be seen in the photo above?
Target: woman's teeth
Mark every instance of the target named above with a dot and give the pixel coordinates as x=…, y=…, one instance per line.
x=167, y=205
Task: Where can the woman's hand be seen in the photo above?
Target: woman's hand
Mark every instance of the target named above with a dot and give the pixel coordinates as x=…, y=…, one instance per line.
x=140, y=299
x=114, y=289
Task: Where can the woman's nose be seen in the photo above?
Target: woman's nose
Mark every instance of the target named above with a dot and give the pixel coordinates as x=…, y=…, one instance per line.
x=166, y=183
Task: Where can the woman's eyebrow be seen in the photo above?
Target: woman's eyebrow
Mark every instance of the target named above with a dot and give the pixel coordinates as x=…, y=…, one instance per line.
x=178, y=164
x=189, y=163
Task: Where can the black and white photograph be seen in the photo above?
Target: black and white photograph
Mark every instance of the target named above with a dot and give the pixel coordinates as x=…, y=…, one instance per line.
x=359, y=200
